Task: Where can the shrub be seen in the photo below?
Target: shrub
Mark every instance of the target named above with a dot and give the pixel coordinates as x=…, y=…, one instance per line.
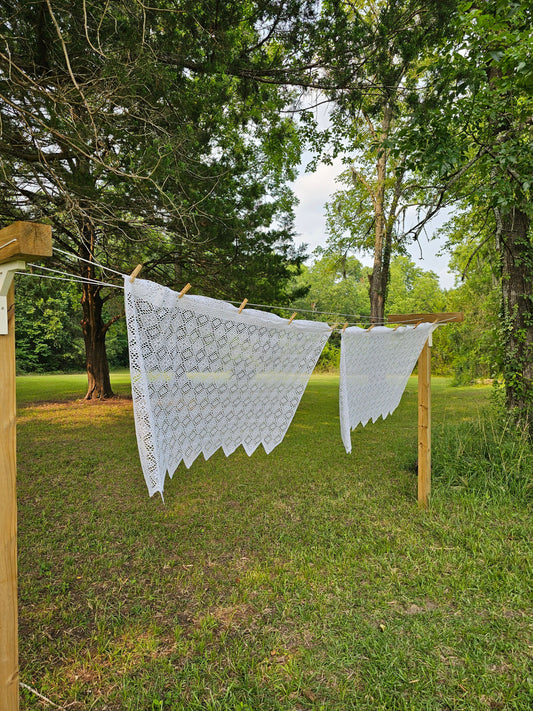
x=329, y=359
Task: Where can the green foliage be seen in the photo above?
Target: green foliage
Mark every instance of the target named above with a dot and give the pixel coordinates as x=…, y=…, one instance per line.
x=412, y=289
x=117, y=345
x=141, y=134
x=472, y=135
x=338, y=284
x=48, y=336
x=475, y=343
x=141, y=124
x=489, y=456
x=374, y=105
x=330, y=357
x=334, y=284
x=473, y=348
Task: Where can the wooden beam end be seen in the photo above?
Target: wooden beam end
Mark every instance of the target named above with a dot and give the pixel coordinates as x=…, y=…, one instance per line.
x=25, y=241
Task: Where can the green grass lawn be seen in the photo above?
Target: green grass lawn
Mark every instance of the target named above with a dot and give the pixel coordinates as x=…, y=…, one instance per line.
x=305, y=579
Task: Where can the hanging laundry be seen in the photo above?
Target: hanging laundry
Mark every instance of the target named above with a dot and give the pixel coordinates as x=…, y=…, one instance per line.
x=205, y=376
x=375, y=366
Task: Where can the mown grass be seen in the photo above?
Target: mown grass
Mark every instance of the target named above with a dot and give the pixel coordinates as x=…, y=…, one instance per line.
x=305, y=579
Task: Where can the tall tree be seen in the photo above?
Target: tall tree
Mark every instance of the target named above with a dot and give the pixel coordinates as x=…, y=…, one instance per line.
x=374, y=95
x=127, y=126
x=476, y=141
x=367, y=216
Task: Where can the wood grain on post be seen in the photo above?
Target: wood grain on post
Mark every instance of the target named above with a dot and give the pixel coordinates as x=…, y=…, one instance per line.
x=24, y=240
x=424, y=425
x=424, y=395
x=9, y=675
x=18, y=243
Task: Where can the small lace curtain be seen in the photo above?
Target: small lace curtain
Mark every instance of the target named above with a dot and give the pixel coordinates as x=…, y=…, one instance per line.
x=205, y=376
x=375, y=366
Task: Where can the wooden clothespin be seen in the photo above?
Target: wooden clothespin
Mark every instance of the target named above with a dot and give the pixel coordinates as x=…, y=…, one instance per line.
x=345, y=326
x=334, y=327
x=292, y=318
x=241, y=307
x=417, y=324
x=135, y=273
x=184, y=290
x=397, y=327
x=371, y=327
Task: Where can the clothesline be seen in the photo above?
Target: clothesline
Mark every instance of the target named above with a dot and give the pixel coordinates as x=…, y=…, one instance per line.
x=78, y=280
x=86, y=280
x=356, y=319
x=207, y=375
x=93, y=262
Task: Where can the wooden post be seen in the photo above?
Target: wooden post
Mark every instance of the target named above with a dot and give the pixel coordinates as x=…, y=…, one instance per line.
x=424, y=397
x=424, y=425
x=8, y=519
x=18, y=242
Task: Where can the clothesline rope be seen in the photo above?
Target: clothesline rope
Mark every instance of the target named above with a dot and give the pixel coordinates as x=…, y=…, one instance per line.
x=358, y=318
x=85, y=280
x=77, y=280
x=93, y=263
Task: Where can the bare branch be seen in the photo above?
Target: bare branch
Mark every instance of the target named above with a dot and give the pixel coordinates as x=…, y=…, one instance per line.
x=437, y=204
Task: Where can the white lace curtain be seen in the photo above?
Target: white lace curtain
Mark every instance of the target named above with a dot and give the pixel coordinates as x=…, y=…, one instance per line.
x=374, y=369
x=205, y=376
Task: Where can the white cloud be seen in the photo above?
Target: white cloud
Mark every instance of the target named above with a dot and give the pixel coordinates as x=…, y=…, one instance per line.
x=313, y=190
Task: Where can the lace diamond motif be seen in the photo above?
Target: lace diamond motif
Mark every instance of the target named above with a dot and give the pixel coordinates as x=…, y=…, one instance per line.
x=374, y=369
x=204, y=376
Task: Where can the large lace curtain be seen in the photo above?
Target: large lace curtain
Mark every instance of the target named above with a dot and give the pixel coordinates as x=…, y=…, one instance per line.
x=205, y=376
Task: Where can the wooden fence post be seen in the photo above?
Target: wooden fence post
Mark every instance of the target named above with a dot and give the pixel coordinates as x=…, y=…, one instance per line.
x=424, y=425
x=424, y=396
x=19, y=241
x=8, y=518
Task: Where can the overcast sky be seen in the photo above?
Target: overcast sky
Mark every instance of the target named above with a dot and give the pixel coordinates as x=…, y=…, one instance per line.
x=313, y=191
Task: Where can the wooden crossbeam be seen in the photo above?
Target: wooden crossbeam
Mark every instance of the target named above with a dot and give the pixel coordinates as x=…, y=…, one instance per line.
x=18, y=242
x=406, y=319
x=25, y=240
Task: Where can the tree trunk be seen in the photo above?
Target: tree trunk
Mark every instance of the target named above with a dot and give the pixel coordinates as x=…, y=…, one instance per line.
x=93, y=325
x=379, y=278
x=94, y=333
x=516, y=251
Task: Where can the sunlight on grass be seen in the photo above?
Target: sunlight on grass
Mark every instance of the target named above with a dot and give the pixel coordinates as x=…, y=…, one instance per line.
x=53, y=388
x=307, y=578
